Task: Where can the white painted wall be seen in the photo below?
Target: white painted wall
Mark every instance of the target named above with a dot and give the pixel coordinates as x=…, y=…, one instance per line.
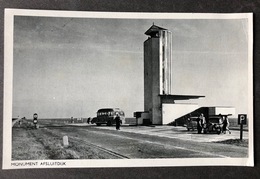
x=222, y=110
x=170, y=112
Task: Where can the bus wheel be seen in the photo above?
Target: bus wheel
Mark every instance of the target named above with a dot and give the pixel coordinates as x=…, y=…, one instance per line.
x=109, y=123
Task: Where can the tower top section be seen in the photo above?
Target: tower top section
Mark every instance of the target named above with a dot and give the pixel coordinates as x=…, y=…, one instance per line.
x=153, y=31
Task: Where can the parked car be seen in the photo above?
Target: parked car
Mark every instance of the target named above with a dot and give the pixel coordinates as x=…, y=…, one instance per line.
x=191, y=123
x=213, y=125
x=94, y=120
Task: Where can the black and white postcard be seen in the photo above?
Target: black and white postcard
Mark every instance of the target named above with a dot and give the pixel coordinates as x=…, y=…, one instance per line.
x=104, y=89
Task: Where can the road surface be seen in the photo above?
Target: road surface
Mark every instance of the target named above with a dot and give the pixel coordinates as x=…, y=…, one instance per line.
x=131, y=144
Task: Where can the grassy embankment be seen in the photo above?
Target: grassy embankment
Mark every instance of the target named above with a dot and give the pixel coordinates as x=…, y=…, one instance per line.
x=43, y=143
x=237, y=142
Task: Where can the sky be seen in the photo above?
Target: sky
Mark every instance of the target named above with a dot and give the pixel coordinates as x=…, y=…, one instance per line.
x=64, y=67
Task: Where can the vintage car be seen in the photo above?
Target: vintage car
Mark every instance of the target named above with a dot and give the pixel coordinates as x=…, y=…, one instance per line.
x=213, y=125
x=191, y=123
x=93, y=120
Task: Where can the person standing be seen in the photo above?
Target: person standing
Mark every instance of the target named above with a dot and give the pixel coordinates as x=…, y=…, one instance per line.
x=199, y=125
x=203, y=122
x=118, y=120
x=226, y=125
x=220, y=122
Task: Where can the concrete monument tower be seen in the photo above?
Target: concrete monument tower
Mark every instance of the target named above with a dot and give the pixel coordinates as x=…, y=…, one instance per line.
x=158, y=73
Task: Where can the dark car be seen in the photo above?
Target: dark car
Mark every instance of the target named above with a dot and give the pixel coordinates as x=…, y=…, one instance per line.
x=191, y=123
x=213, y=125
x=94, y=120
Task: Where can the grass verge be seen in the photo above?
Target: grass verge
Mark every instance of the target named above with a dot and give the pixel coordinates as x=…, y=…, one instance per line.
x=237, y=142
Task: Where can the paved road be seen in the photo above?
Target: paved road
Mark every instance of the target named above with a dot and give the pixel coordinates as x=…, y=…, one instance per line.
x=180, y=133
x=154, y=142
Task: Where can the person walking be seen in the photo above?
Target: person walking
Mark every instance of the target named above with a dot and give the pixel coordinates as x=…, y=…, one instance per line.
x=226, y=125
x=118, y=121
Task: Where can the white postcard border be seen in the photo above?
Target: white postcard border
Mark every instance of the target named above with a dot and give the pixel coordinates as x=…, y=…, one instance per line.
x=8, y=78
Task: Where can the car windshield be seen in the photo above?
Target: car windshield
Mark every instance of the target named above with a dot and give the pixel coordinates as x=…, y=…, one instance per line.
x=214, y=120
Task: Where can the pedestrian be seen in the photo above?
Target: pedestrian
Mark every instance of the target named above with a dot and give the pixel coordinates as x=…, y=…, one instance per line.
x=118, y=121
x=88, y=120
x=203, y=122
x=226, y=125
x=199, y=125
x=220, y=122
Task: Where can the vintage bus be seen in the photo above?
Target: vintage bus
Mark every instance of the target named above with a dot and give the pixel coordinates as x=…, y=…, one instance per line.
x=107, y=116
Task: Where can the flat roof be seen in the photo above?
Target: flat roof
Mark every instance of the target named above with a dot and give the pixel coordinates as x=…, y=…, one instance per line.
x=180, y=97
